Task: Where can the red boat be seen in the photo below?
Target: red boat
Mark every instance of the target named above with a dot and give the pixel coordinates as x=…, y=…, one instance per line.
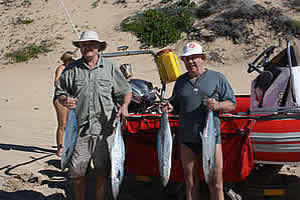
x=264, y=128
x=274, y=139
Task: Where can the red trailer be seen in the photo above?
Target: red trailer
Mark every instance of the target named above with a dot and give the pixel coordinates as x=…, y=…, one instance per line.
x=264, y=128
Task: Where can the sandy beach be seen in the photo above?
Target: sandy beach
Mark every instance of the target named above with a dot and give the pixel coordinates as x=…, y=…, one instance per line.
x=29, y=168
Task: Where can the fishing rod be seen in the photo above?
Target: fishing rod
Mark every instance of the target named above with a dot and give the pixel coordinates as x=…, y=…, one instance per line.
x=291, y=72
x=270, y=112
x=273, y=109
x=266, y=117
x=262, y=59
x=69, y=18
x=128, y=53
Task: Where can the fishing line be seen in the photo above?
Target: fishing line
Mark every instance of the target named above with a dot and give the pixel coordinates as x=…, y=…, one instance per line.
x=69, y=17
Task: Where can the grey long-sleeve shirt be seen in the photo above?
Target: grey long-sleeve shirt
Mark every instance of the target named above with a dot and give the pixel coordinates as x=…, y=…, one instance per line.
x=96, y=91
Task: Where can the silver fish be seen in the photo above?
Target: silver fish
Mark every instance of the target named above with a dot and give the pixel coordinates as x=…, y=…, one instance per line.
x=209, y=147
x=70, y=138
x=117, y=157
x=164, y=148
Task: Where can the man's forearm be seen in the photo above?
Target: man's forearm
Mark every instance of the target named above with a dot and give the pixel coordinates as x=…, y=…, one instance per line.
x=226, y=106
x=127, y=98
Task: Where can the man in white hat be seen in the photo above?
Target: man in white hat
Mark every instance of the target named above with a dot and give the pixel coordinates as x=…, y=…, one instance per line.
x=91, y=85
x=196, y=91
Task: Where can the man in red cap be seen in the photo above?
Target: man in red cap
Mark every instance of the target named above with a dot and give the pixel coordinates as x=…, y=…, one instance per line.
x=196, y=91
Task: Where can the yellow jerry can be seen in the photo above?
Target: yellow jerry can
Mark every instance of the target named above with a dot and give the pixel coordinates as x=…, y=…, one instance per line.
x=168, y=66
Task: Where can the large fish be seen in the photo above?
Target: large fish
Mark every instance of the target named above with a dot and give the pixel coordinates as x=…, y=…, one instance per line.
x=117, y=157
x=209, y=147
x=70, y=138
x=164, y=148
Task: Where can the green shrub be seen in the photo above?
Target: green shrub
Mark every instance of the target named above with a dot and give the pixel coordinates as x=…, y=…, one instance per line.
x=22, y=20
x=185, y=4
x=165, y=1
x=159, y=27
x=293, y=25
x=26, y=3
x=296, y=3
x=27, y=21
x=120, y=2
x=95, y=4
x=28, y=52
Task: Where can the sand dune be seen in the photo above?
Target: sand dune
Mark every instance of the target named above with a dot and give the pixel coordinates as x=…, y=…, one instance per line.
x=28, y=165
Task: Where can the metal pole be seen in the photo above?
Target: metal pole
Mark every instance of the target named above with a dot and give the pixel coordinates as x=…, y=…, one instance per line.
x=292, y=86
x=130, y=53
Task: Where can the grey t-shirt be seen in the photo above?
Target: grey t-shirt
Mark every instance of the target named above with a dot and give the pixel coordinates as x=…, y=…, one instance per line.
x=188, y=102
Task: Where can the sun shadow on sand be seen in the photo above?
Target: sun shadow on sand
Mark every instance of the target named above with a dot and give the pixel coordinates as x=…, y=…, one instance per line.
x=50, y=179
x=33, y=149
x=29, y=195
x=16, y=183
x=25, y=148
x=55, y=163
x=9, y=168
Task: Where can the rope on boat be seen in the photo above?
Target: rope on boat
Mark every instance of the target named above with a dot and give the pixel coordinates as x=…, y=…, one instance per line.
x=69, y=18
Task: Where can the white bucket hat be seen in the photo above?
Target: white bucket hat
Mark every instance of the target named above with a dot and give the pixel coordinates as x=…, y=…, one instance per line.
x=192, y=48
x=89, y=36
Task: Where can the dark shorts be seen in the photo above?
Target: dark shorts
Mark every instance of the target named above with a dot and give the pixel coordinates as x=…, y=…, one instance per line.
x=54, y=98
x=197, y=147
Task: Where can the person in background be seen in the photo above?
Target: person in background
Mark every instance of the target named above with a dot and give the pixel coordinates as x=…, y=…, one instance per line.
x=93, y=85
x=196, y=91
x=127, y=71
x=61, y=111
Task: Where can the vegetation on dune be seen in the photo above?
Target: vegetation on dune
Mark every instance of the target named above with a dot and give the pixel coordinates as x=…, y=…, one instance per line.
x=95, y=4
x=26, y=53
x=160, y=27
x=233, y=20
x=22, y=20
x=165, y=24
x=296, y=2
x=230, y=19
x=293, y=26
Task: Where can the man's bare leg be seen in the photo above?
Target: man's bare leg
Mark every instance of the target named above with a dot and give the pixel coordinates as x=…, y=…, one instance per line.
x=79, y=187
x=101, y=182
x=216, y=186
x=191, y=172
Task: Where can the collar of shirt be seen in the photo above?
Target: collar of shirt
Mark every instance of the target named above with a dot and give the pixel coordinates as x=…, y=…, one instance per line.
x=99, y=62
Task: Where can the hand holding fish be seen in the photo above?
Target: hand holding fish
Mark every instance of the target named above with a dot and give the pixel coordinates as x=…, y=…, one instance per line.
x=213, y=104
x=166, y=107
x=68, y=102
x=123, y=112
x=225, y=106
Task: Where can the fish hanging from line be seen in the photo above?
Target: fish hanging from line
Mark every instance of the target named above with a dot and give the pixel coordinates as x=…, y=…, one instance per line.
x=209, y=146
x=117, y=157
x=70, y=138
x=164, y=148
